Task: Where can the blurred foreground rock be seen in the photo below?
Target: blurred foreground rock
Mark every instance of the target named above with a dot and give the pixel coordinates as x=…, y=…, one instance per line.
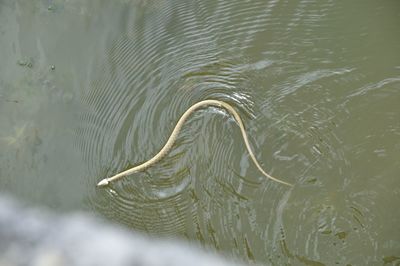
x=33, y=237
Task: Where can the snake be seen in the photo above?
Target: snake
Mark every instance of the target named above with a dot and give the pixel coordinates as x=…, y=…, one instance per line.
x=171, y=140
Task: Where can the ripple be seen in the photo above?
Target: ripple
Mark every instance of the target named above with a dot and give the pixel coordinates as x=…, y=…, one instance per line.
x=149, y=78
x=277, y=71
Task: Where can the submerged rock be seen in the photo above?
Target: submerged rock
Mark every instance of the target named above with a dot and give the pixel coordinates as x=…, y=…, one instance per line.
x=34, y=237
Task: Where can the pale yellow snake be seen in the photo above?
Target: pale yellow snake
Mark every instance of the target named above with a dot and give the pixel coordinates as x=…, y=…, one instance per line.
x=167, y=147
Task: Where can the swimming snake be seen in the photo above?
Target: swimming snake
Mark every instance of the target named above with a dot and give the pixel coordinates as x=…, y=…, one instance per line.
x=170, y=142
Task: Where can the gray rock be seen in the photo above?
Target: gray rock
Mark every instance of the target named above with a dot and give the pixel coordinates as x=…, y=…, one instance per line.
x=33, y=237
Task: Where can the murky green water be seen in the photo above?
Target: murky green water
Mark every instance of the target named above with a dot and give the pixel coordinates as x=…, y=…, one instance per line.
x=89, y=88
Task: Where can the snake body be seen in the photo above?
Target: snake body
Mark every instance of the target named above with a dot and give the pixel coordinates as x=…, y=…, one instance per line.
x=171, y=140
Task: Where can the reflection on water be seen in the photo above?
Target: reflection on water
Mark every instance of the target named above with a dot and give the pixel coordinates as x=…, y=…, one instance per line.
x=317, y=86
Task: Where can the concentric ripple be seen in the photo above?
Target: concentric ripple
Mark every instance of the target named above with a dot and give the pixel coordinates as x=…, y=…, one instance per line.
x=290, y=81
x=149, y=78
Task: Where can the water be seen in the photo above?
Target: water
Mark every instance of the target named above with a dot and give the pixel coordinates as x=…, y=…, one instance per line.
x=88, y=89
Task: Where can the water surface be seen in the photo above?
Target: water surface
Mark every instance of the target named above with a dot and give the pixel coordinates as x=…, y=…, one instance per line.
x=88, y=89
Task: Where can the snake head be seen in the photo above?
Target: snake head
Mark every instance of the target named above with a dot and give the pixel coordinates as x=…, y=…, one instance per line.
x=103, y=183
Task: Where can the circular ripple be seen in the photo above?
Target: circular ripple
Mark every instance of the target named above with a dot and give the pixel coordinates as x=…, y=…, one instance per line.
x=149, y=78
x=207, y=188
x=277, y=72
